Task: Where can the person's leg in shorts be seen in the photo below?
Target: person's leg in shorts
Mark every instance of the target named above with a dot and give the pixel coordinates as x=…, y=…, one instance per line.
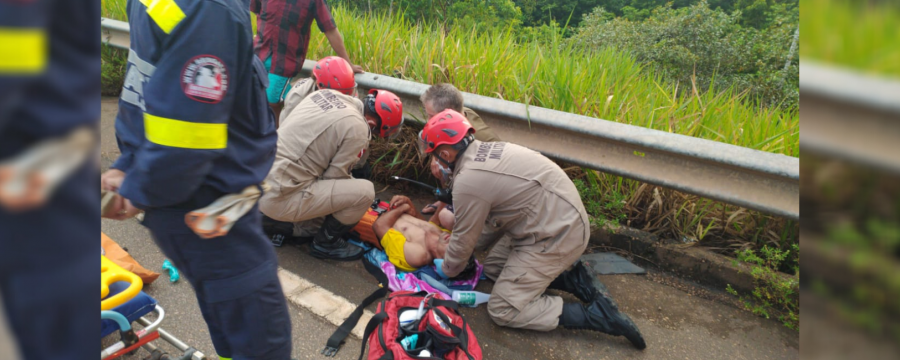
x=277, y=90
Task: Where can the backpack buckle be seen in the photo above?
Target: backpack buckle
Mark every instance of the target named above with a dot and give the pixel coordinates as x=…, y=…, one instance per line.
x=329, y=351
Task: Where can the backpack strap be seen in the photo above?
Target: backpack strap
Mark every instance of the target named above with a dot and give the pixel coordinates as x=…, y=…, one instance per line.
x=337, y=338
x=370, y=327
x=460, y=333
x=450, y=304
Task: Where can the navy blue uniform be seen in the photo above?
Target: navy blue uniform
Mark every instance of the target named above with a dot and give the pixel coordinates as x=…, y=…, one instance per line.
x=49, y=71
x=194, y=125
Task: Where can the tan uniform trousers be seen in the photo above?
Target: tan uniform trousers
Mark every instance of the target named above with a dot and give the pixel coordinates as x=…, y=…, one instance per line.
x=345, y=199
x=521, y=274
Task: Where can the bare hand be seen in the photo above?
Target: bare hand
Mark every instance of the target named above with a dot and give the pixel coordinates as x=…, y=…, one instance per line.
x=120, y=209
x=112, y=180
x=357, y=69
x=399, y=200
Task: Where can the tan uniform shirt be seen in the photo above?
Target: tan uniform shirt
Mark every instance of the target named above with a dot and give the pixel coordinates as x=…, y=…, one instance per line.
x=321, y=138
x=299, y=91
x=482, y=131
x=501, y=187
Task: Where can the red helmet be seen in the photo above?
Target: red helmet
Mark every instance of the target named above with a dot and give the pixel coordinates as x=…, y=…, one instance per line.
x=447, y=127
x=334, y=73
x=389, y=110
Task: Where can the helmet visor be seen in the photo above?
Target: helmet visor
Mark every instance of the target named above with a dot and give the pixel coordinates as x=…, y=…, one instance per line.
x=391, y=132
x=423, y=148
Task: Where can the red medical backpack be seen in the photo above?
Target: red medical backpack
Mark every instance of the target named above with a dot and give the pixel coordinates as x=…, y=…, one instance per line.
x=441, y=329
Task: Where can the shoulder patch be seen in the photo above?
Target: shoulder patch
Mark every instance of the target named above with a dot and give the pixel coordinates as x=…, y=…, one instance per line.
x=205, y=79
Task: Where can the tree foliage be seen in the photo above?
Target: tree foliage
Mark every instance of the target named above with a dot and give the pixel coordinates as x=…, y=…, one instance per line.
x=756, y=13
x=704, y=48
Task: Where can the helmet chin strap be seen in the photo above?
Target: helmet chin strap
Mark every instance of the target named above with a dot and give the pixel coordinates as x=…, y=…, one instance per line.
x=460, y=148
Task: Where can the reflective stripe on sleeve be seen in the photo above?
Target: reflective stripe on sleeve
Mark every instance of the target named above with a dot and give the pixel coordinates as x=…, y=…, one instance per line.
x=185, y=134
x=165, y=13
x=24, y=50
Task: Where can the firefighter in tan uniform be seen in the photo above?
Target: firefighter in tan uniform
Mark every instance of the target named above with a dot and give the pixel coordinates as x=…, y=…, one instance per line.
x=318, y=144
x=299, y=91
x=501, y=188
x=323, y=77
x=443, y=96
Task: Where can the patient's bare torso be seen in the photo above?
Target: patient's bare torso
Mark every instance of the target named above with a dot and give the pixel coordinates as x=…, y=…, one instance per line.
x=424, y=241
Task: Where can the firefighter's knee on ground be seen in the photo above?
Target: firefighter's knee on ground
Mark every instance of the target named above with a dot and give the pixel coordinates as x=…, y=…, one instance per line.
x=501, y=311
x=492, y=271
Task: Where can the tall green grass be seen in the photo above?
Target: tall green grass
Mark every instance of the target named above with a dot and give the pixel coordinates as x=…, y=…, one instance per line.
x=860, y=34
x=607, y=84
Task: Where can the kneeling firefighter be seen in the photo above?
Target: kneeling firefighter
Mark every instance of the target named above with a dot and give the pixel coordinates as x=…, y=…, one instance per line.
x=319, y=142
x=501, y=188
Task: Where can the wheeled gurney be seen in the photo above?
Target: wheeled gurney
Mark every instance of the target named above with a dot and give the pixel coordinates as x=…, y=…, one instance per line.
x=123, y=304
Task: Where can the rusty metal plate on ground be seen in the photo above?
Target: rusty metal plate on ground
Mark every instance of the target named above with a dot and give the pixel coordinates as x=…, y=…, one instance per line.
x=610, y=264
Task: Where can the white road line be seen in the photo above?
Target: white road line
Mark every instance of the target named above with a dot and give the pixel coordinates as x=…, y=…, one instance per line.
x=320, y=301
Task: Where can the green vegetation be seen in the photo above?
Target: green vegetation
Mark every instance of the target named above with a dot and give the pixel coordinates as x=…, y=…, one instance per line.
x=864, y=35
x=557, y=74
x=852, y=212
x=709, y=49
x=469, y=14
x=852, y=217
x=759, y=14
x=774, y=295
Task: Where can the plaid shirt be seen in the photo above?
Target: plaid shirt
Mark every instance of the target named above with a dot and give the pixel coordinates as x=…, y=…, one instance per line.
x=282, y=28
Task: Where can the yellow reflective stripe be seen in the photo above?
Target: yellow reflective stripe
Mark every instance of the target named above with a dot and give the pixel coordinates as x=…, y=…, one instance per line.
x=165, y=13
x=224, y=358
x=185, y=134
x=24, y=51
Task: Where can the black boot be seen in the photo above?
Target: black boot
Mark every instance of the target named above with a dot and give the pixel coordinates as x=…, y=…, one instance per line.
x=329, y=242
x=600, y=315
x=579, y=281
x=277, y=231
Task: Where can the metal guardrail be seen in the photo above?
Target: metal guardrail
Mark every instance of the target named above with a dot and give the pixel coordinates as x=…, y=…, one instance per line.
x=114, y=33
x=850, y=116
x=754, y=179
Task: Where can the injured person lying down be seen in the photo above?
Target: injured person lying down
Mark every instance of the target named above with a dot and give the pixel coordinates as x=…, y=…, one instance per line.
x=409, y=241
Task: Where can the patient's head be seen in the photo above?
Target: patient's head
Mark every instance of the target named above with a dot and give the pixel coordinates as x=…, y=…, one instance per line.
x=438, y=247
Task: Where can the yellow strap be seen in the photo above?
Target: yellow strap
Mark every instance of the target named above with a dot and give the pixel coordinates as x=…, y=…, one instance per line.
x=165, y=13
x=24, y=51
x=184, y=134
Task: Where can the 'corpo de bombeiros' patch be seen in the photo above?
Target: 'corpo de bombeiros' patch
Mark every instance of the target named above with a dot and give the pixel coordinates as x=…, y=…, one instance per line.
x=205, y=79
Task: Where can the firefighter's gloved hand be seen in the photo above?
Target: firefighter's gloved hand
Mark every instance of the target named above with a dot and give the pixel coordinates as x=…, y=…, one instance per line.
x=362, y=172
x=438, y=267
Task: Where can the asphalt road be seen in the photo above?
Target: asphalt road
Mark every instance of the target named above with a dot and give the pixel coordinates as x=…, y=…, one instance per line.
x=679, y=320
